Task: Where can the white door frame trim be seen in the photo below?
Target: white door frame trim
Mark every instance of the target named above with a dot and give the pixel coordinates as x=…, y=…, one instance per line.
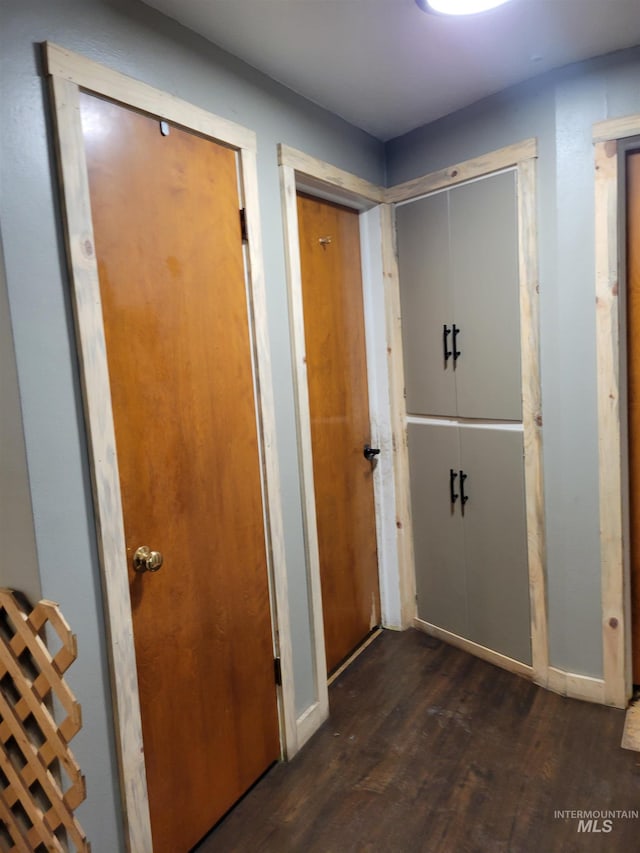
x=300, y=171
x=68, y=74
x=608, y=138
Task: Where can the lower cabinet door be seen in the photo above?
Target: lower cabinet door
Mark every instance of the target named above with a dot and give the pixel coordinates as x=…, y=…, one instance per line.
x=495, y=539
x=470, y=537
x=438, y=526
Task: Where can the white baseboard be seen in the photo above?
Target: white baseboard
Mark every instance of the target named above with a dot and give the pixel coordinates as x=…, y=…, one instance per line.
x=309, y=722
x=631, y=734
x=356, y=654
x=503, y=661
x=569, y=684
x=575, y=686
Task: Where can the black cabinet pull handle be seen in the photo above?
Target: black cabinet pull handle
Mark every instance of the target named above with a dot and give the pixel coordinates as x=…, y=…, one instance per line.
x=463, y=498
x=452, y=486
x=446, y=331
x=370, y=453
x=456, y=352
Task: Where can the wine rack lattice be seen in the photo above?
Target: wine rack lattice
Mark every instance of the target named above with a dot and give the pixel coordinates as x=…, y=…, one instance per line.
x=40, y=782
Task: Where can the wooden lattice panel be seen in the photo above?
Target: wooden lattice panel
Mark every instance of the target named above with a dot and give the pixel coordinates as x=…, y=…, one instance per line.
x=40, y=781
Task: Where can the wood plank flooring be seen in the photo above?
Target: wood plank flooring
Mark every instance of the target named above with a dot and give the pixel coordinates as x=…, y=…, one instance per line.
x=430, y=749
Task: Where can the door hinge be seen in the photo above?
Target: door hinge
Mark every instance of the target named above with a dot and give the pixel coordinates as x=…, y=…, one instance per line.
x=277, y=671
x=243, y=225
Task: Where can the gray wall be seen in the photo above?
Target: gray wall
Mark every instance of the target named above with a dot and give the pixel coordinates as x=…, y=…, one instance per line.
x=138, y=41
x=57, y=522
x=19, y=567
x=559, y=109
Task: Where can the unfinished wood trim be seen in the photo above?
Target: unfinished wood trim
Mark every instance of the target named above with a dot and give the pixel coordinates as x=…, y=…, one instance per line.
x=532, y=413
x=576, y=686
x=631, y=733
x=351, y=187
x=112, y=84
x=616, y=128
x=395, y=364
x=69, y=73
x=377, y=352
x=503, y=661
x=503, y=158
x=305, y=452
x=103, y=462
x=614, y=628
x=274, y=527
x=373, y=636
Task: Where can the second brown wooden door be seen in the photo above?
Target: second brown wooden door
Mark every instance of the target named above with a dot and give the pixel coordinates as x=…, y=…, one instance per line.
x=169, y=248
x=340, y=423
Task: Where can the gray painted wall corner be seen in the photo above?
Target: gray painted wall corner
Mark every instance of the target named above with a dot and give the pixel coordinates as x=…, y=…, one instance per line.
x=18, y=554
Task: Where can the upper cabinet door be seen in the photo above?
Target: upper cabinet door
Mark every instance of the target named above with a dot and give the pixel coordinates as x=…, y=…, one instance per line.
x=459, y=291
x=485, y=284
x=427, y=304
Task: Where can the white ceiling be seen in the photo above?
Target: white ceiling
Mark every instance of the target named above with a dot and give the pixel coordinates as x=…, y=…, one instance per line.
x=387, y=67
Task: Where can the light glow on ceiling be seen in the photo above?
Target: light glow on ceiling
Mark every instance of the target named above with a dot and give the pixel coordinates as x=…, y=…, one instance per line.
x=459, y=7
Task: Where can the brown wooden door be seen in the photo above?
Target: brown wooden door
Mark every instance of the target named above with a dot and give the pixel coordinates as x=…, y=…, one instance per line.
x=340, y=427
x=169, y=249
x=633, y=356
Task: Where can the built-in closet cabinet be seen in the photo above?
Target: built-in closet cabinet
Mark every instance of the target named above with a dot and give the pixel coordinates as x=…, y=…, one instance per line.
x=460, y=302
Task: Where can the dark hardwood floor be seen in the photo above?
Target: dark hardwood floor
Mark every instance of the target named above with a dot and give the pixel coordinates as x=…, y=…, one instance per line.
x=430, y=749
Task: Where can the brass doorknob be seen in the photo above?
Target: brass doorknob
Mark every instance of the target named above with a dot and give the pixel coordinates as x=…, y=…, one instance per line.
x=146, y=560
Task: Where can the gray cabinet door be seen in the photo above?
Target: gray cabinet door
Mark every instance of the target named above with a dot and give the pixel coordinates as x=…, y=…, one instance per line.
x=471, y=562
x=485, y=285
x=458, y=264
x=495, y=537
x=437, y=527
x=426, y=303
